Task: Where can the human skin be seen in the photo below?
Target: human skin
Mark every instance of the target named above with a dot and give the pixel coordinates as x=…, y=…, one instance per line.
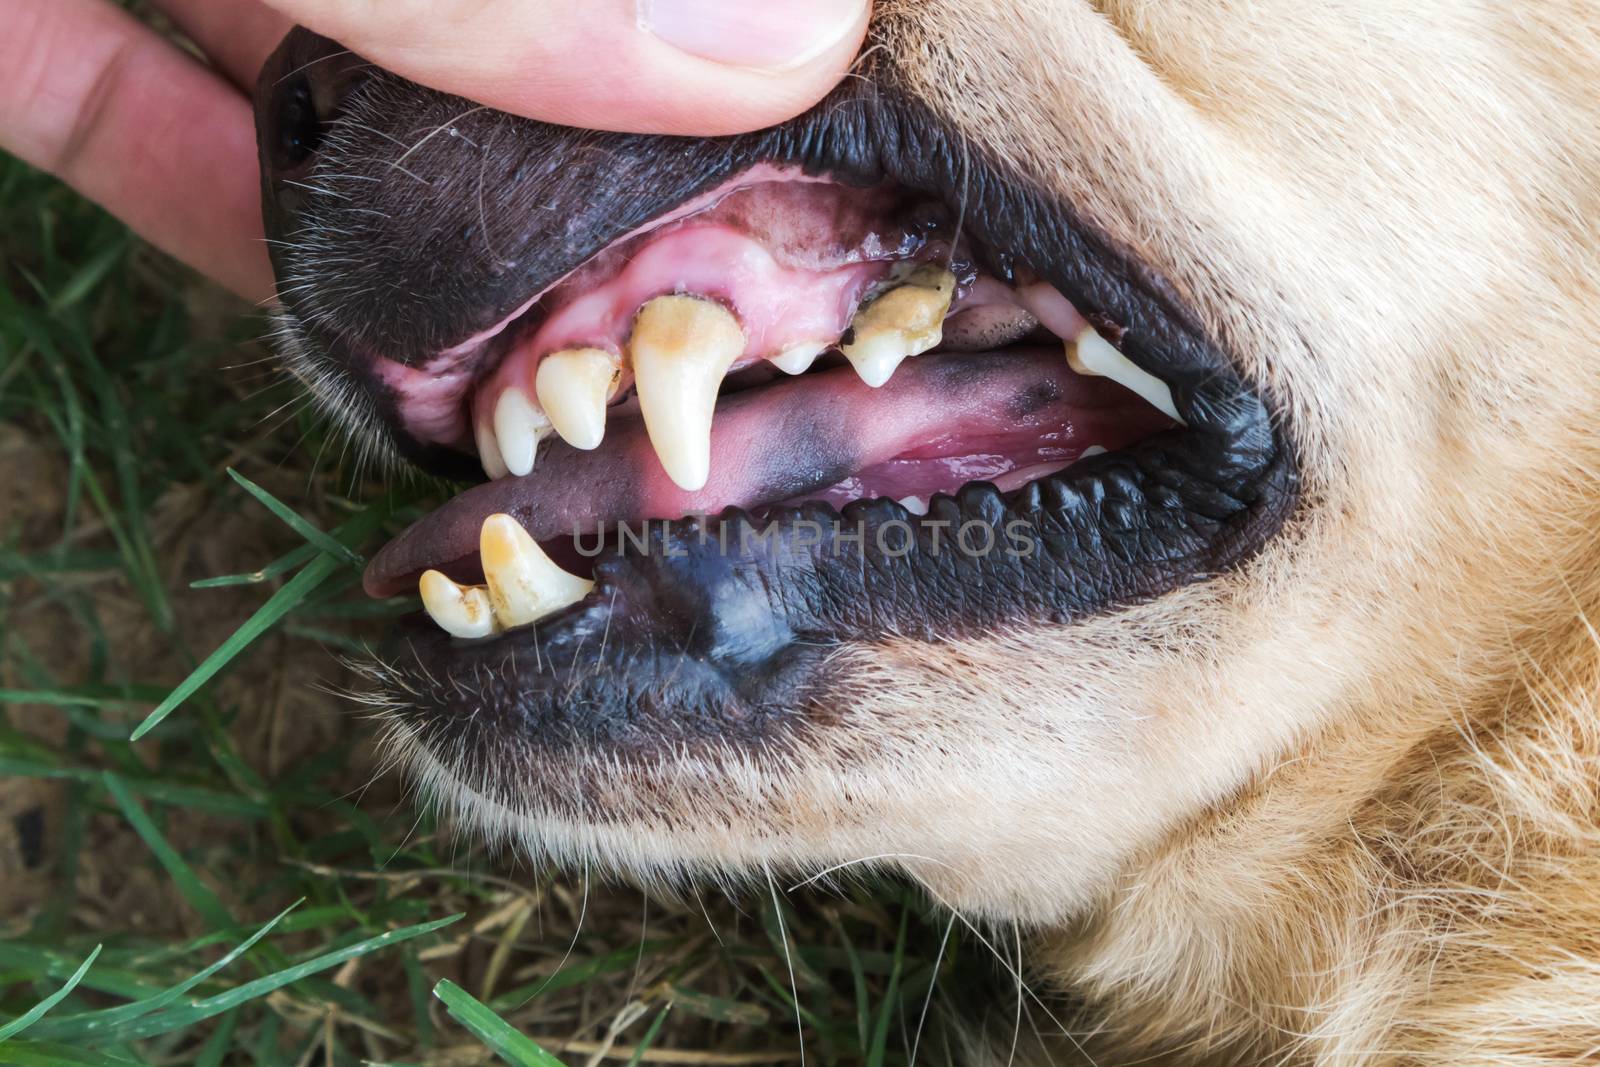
x=167, y=143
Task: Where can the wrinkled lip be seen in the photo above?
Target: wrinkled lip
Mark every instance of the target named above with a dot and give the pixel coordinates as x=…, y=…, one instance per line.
x=686, y=637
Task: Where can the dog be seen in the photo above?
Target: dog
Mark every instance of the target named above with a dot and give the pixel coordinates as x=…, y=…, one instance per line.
x=1270, y=713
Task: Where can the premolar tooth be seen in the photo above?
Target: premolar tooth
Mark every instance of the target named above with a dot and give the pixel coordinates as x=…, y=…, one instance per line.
x=915, y=504
x=1094, y=355
x=460, y=610
x=489, y=450
x=682, y=346
x=519, y=426
x=797, y=359
x=904, y=321
x=574, y=386
x=524, y=584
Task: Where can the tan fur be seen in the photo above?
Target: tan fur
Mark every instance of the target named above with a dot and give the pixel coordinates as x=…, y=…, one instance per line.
x=1342, y=807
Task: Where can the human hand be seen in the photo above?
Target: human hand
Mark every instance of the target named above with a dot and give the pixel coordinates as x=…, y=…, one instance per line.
x=168, y=144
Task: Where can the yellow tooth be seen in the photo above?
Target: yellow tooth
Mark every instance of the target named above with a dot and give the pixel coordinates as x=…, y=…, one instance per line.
x=524, y=584
x=904, y=321
x=460, y=610
x=574, y=386
x=1094, y=355
x=519, y=426
x=489, y=451
x=797, y=359
x=682, y=346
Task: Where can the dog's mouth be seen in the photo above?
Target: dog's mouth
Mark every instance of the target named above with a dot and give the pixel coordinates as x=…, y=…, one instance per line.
x=841, y=381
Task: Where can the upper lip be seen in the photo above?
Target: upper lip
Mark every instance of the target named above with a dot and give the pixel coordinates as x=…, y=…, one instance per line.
x=692, y=626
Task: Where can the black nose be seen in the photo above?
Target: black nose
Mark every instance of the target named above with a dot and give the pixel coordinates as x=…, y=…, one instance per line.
x=303, y=88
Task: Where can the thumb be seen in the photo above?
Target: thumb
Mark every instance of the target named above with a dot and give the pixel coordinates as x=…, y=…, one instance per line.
x=658, y=66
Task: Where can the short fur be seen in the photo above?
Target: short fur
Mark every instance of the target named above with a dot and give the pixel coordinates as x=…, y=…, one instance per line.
x=1341, y=807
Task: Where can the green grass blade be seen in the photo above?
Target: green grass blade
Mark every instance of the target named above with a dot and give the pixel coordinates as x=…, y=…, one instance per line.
x=102, y=1025
x=217, y=1045
x=647, y=1042
x=623, y=959
x=276, y=569
x=891, y=997
x=37, y=1012
x=40, y=1054
x=196, y=892
x=277, y=606
x=181, y=1018
x=296, y=522
x=285, y=600
x=88, y=277
x=505, y=1040
x=34, y=960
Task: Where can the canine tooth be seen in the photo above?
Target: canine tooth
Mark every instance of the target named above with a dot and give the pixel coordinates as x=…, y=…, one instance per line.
x=524, y=584
x=574, y=386
x=797, y=359
x=915, y=504
x=904, y=321
x=519, y=426
x=489, y=451
x=1094, y=355
x=460, y=610
x=682, y=346
x=1092, y=451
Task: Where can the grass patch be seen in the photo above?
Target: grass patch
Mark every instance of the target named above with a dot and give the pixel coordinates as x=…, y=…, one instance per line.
x=200, y=859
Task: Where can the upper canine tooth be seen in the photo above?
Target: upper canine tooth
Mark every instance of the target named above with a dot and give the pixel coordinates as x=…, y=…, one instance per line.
x=489, y=450
x=461, y=610
x=519, y=426
x=681, y=348
x=524, y=584
x=1094, y=355
x=904, y=321
x=574, y=386
x=797, y=358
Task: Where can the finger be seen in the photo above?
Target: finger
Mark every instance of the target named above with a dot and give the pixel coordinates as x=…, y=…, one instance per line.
x=236, y=35
x=127, y=120
x=674, y=66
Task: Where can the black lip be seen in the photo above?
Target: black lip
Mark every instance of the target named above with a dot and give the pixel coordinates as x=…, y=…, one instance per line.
x=687, y=640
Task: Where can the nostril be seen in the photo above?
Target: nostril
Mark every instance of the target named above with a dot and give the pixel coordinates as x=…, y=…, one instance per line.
x=304, y=88
x=299, y=129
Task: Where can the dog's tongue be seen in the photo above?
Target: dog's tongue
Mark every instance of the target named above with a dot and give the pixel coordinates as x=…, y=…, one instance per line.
x=792, y=439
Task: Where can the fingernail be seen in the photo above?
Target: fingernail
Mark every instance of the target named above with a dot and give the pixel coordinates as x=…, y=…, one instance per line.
x=765, y=34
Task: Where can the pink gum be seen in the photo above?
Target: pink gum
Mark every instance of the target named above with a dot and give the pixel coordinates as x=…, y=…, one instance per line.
x=778, y=306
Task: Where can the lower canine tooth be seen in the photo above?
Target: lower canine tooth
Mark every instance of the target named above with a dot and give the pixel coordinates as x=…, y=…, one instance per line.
x=524, y=584
x=797, y=359
x=519, y=426
x=1094, y=355
x=681, y=348
x=574, y=386
x=905, y=321
x=460, y=610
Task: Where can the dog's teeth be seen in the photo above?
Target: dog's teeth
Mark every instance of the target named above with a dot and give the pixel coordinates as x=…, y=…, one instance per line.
x=460, y=610
x=519, y=426
x=1092, y=451
x=1094, y=355
x=574, y=386
x=797, y=359
x=524, y=584
x=904, y=321
x=915, y=504
x=682, y=346
x=489, y=450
